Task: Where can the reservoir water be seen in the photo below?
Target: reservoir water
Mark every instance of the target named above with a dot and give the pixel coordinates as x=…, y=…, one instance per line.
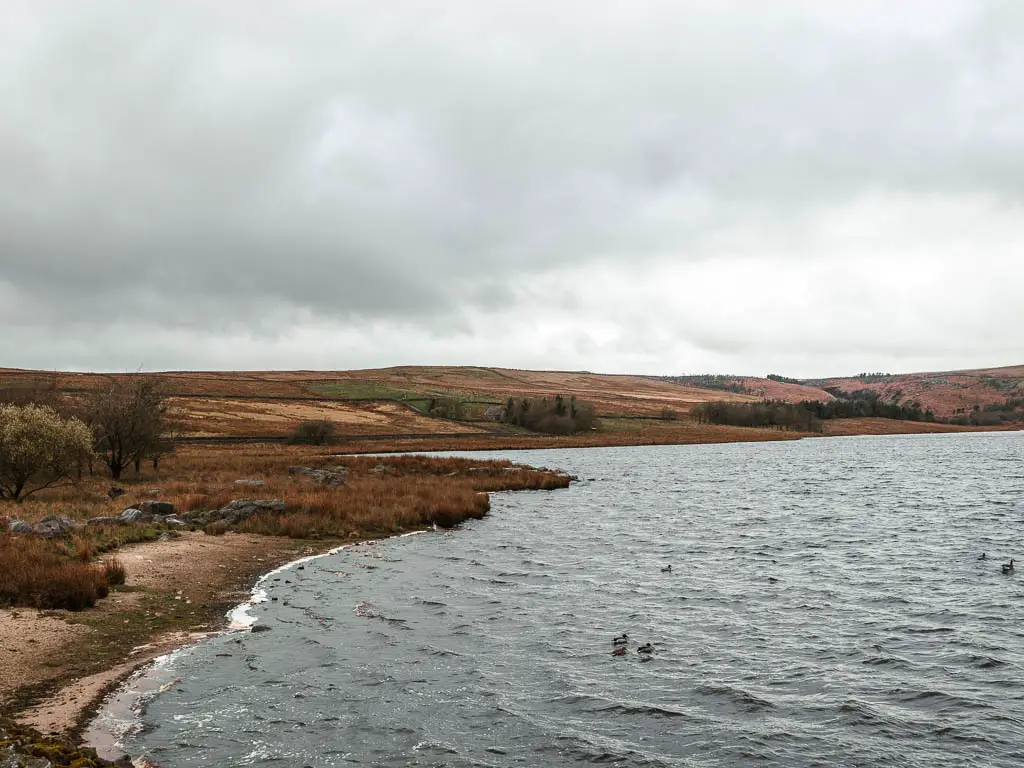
x=826, y=606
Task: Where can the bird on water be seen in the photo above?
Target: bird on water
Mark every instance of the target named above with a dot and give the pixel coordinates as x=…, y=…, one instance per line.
x=667, y=569
x=1008, y=567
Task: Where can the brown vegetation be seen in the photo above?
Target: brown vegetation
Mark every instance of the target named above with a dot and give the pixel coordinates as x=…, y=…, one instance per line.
x=43, y=574
x=381, y=497
x=396, y=401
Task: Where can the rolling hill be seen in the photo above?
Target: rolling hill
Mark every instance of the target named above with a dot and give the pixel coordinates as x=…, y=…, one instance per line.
x=396, y=402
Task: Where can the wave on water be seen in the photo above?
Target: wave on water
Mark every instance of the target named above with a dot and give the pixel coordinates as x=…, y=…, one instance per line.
x=121, y=714
x=883, y=641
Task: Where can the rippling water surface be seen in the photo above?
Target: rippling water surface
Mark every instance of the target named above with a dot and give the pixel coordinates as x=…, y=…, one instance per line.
x=825, y=607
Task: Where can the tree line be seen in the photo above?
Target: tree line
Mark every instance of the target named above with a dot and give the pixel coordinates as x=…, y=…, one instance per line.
x=773, y=414
x=867, y=402
x=782, y=379
x=1009, y=412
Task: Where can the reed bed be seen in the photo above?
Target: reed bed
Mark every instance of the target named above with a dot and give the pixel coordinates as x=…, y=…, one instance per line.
x=34, y=572
x=382, y=496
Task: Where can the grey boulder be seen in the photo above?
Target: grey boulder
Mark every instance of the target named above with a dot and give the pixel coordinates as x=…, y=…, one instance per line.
x=19, y=528
x=133, y=515
x=328, y=476
x=161, y=508
x=235, y=511
x=53, y=525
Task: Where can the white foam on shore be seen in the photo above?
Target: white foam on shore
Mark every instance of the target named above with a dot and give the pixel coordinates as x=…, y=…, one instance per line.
x=120, y=715
x=239, y=617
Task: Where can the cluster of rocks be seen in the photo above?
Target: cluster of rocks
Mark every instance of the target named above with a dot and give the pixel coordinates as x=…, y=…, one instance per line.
x=327, y=476
x=162, y=512
x=22, y=747
x=235, y=512
x=158, y=512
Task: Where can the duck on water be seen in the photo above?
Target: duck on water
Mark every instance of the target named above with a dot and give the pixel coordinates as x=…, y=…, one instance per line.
x=1008, y=567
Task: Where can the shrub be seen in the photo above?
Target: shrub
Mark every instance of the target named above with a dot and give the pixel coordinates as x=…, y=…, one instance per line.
x=38, y=449
x=33, y=573
x=313, y=433
x=115, y=571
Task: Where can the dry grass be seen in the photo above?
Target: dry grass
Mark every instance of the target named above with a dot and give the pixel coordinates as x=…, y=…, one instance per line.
x=37, y=573
x=115, y=571
x=225, y=416
x=382, y=496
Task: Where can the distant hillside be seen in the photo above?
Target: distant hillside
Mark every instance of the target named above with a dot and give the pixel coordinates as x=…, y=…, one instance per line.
x=399, y=401
x=947, y=393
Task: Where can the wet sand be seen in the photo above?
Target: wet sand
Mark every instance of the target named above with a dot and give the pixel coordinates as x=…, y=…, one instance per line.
x=50, y=676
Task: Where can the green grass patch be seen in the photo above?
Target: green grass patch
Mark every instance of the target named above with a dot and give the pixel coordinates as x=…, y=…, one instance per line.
x=364, y=390
x=612, y=424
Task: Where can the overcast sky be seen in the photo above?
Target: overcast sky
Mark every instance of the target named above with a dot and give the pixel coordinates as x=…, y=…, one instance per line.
x=807, y=188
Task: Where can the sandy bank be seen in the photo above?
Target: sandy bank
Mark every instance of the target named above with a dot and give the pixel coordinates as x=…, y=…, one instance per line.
x=57, y=665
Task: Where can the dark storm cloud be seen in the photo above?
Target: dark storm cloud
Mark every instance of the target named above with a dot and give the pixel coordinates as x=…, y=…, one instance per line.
x=196, y=168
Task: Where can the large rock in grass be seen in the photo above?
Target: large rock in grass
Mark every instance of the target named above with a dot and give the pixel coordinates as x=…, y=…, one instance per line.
x=134, y=515
x=19, y=528
x=329, y=476
x=235, y=512
x=159, y=508
x=54, y=525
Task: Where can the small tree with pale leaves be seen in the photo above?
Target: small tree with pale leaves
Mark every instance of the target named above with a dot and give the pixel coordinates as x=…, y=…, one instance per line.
x=39, y=449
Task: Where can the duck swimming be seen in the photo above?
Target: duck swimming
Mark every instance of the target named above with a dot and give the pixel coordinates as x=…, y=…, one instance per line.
x=1008, y=567
x=621, y=640
x=620, y=651
x=648, y=648
x=983, y=556
x=667, y=569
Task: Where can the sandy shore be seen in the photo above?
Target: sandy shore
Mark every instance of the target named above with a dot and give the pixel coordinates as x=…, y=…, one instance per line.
x=56, y=666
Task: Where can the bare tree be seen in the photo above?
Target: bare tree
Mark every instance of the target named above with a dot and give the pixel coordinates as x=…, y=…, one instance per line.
x=127, y=420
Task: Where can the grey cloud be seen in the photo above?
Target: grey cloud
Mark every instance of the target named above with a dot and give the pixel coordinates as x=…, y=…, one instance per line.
x=193, y=166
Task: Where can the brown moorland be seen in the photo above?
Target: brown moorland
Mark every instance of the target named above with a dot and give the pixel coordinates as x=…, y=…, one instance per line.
x=946, y=393
x=393, y=401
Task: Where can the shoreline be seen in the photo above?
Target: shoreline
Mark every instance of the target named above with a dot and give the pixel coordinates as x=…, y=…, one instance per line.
x=60, y=698
x=114, y=714
x=54, y=682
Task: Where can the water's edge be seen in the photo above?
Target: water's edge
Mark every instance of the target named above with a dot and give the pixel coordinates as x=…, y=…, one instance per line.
x=119, y=714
